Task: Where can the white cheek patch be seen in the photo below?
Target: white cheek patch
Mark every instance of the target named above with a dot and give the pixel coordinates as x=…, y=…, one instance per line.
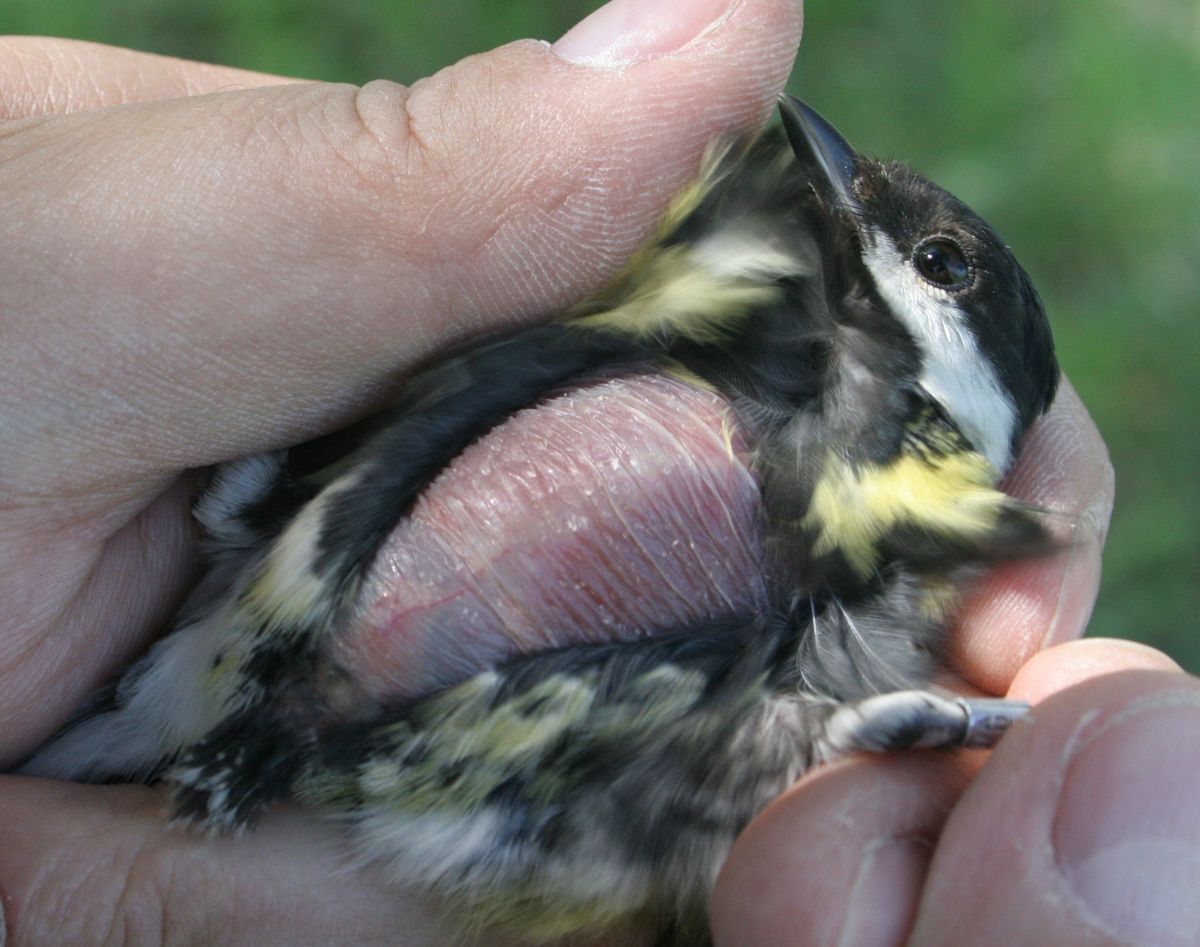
x=954, y=370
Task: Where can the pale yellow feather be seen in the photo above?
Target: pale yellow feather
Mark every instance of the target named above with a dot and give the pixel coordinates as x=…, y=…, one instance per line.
x=698, y=291
x=853, y=507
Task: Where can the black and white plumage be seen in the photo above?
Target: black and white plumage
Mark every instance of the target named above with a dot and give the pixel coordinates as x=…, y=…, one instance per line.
x=884, y=354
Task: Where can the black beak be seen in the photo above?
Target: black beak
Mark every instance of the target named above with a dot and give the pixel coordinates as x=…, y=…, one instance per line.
x=819, y=146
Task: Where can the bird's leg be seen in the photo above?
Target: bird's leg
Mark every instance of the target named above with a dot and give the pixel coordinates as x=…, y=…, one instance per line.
x=917, y=720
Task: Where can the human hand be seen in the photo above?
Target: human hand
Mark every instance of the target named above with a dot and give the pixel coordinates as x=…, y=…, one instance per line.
x=204, y=278
x=192, y=279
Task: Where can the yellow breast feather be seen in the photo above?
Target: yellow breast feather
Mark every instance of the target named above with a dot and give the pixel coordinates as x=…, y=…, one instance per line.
x=855, y=505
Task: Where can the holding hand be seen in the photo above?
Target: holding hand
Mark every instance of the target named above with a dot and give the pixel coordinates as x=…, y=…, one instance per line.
x=359, y=231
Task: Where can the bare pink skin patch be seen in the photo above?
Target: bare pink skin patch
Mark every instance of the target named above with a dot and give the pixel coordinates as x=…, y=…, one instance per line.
x=610, y=512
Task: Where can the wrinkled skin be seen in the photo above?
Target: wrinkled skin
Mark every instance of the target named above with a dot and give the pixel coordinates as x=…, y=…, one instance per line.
x=608, y=511
x=360, y=230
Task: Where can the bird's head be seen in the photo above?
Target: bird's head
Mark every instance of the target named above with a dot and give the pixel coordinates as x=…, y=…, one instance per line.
x=984, y=343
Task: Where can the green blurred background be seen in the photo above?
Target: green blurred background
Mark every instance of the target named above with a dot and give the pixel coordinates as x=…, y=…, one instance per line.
x=1072, y=125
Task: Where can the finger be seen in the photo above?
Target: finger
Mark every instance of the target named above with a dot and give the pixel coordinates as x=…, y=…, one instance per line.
x=1074, y=662
x=842, y=858
x=838, y=860
x=79, y=603
x=1020, y=608
x=205, y=278
x=99, y=865
x=45, y=76
x=1083, y=828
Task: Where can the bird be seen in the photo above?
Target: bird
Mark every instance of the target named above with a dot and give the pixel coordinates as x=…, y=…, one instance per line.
x=882, y=352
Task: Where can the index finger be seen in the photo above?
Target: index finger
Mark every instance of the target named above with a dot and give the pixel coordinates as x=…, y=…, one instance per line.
x=42, y=75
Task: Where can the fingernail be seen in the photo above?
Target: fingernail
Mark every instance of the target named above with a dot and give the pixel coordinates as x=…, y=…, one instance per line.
x=627, y=31
x=1127, y=832
x=887, y=887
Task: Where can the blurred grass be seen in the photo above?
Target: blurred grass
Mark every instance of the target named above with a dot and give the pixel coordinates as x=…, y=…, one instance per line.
x=1072, y=125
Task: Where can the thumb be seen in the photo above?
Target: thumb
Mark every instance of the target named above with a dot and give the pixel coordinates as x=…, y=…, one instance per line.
x=206, y=277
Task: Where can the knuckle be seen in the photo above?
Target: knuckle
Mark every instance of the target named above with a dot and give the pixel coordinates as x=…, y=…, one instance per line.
x=141, y=889
x=384, y=140
x=155, y=900
x=374, y=139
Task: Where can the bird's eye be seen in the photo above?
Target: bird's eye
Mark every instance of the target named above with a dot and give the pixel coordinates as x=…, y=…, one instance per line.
x=943, y=263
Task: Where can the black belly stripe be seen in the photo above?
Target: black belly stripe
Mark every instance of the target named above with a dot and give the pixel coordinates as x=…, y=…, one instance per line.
x=483, y=388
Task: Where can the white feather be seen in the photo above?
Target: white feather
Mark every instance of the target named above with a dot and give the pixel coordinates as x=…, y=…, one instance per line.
x=955, y=372
x=747, y=253
x=449, y=848
x=164, y=706
x=236, y=485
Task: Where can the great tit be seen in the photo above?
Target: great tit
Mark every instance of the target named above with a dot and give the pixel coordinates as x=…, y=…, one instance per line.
x=883, y=354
